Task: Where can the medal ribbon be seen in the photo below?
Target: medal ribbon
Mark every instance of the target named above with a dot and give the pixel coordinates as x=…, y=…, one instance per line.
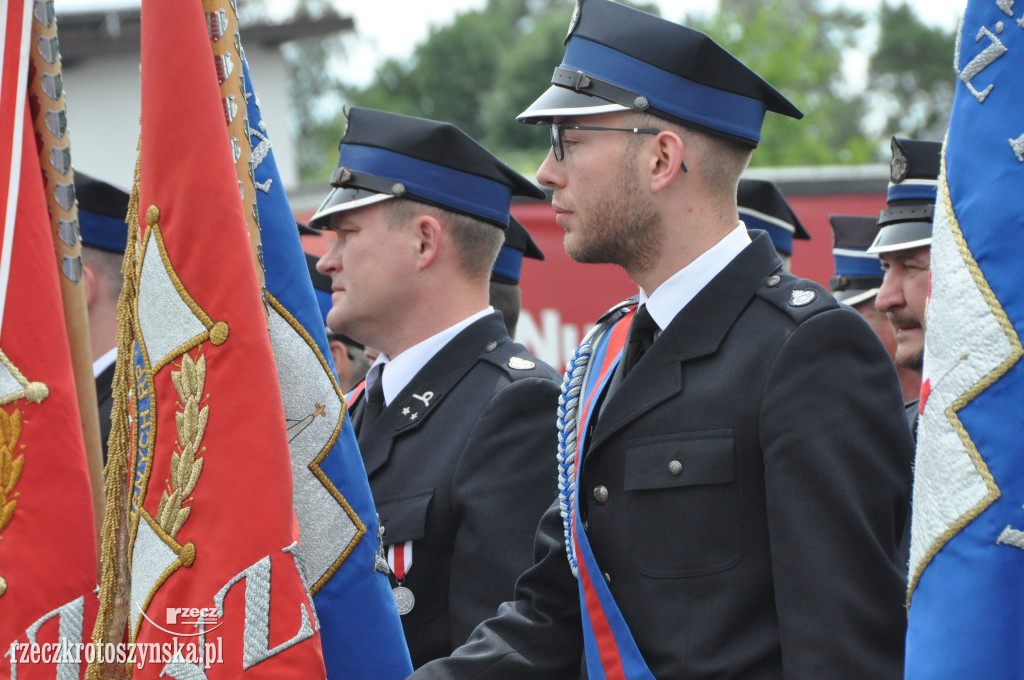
x=611, y=652
x=400, y=559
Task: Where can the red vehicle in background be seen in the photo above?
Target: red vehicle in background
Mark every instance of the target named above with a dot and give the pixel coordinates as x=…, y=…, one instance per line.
x=562, y=298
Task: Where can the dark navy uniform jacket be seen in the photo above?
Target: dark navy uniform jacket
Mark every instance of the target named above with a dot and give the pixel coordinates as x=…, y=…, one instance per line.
x=465, y=477
x=774, y=552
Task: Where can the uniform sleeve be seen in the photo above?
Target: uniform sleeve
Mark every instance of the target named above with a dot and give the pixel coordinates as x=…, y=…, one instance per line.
x=837, y=455
x=536, y=636
x=505, y=478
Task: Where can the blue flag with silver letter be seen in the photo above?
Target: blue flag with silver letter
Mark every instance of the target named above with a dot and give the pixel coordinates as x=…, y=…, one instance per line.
x=343, y=567
x=967, y=537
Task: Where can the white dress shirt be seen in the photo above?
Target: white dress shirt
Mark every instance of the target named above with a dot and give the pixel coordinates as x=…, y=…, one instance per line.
x=405, y=366
x=676, y=292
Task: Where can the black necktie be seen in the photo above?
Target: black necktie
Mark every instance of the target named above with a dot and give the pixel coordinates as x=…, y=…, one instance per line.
x=640, y=339
x=374, y=402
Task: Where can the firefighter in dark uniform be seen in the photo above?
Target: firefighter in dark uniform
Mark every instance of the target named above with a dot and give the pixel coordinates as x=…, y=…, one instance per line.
x=736, y=506
x=102, y=208
x=904, y=247
x=762, y=205
x=857, y=280
x=504, y=290
x=455, y=422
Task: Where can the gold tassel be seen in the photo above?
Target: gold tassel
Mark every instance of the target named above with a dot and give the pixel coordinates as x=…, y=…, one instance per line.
x=115, y=576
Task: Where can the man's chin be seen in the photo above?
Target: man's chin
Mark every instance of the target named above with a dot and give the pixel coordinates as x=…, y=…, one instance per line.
x=913, y=361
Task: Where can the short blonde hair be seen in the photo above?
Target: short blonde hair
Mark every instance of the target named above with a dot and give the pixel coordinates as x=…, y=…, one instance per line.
x=477, y=242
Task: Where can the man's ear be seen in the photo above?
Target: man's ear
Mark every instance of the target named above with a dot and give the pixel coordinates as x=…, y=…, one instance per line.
x=428, y=233
x=666, y=159
x=90, y=280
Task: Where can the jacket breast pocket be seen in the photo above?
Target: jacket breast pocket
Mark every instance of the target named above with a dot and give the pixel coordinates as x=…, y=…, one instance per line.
x=404, y=519
x=683, y=501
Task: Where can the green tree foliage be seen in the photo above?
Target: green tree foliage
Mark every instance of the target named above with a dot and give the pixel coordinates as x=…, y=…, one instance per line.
x=798, y=47
x=911, y=75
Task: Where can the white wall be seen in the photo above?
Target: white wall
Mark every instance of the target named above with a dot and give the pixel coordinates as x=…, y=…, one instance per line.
x=103, y=99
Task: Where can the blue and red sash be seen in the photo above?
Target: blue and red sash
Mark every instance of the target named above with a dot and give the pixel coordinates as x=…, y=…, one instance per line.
x=352, y=397
x=611, y=653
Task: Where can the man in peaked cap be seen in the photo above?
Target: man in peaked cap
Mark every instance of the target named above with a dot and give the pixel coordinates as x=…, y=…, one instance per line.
x=903, y=246
x=762, y=205
x=349, y=356
x=718, y=521
x=505, y=295
x=102, y=208
x=455, y=421
x=858, y=277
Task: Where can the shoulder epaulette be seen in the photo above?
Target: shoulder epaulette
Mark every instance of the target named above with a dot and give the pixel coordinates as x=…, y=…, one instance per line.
x=799, y=298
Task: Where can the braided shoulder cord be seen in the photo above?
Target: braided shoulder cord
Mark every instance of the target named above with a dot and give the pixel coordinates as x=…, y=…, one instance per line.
x=577, y=373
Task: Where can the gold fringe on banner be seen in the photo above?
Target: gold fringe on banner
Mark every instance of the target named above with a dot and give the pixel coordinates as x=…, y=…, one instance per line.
x=115, y=577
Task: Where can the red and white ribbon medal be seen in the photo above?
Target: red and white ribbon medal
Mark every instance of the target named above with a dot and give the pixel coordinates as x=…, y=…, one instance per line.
x=400, y=561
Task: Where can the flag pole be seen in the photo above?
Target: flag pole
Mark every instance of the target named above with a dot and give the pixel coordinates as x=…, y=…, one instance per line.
x=49, y=117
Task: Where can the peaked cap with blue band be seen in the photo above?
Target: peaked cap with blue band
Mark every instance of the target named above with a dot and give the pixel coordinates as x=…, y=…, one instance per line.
x=102, y=208
x=762, y=205
x=858, y=273
x=619, y=59
x=913, y=186
x=518, y=244
x=387, y=155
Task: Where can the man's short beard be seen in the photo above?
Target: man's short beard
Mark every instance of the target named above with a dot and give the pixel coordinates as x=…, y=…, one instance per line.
x=623, y=228
x=914, y=363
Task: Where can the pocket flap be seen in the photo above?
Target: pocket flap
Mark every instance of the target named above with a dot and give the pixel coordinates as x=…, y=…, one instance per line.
x=686, y=459
x=404, y=519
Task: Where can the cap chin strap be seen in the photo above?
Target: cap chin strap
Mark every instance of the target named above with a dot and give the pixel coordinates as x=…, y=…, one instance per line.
x=595, y=87
x=343, y=177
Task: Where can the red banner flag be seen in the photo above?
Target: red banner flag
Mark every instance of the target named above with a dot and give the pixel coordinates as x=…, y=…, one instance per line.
x=47, y=534
x=208, y=521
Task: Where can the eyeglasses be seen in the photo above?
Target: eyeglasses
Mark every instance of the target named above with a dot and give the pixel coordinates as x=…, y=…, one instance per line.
x=557, y=128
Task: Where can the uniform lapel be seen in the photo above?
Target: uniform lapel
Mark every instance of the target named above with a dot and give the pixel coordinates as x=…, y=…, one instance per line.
x=696, y=331
x=417, y=403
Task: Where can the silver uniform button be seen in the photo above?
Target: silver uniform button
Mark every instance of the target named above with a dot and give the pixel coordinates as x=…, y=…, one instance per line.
x=675, y=468
x=773, y=281
x=607, y=578
x=601, y=494
x=491, y=346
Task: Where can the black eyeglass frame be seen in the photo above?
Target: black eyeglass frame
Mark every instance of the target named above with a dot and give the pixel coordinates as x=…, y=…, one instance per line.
x=557, y=128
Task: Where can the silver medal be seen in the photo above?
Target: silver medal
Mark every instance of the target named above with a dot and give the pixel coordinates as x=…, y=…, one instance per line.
x=404, y=599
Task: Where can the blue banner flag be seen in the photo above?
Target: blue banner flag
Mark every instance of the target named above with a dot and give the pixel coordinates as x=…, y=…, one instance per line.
x=967, y=538
x=341, y=550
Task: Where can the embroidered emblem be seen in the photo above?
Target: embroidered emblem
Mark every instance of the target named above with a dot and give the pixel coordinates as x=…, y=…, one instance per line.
x=405, y=411
x=185, y=465
x=898, y=166
x=14, y=385
x=425, y=398
x=520, y=364
x=10, y=466
x=801, y=298
x=575, y=19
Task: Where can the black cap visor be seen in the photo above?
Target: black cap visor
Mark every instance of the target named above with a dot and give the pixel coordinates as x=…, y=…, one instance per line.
x=342, y=199
x=902, y=236
x=559, y=101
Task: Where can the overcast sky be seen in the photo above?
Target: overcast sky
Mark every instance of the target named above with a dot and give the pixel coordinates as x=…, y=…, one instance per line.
x=386, y=28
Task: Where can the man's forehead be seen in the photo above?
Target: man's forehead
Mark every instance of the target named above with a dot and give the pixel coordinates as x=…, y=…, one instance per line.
x=921, y=253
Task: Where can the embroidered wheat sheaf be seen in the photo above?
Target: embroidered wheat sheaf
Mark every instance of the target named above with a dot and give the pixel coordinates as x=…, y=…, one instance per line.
x=185, y=466
x=10, y=467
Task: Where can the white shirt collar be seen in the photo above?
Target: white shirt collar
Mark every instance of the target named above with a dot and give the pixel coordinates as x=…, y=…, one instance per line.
x=677, y=291
x=404, y=367
x=103, y=362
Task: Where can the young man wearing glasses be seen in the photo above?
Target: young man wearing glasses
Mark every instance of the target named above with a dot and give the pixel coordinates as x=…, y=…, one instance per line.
x=734, y=465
